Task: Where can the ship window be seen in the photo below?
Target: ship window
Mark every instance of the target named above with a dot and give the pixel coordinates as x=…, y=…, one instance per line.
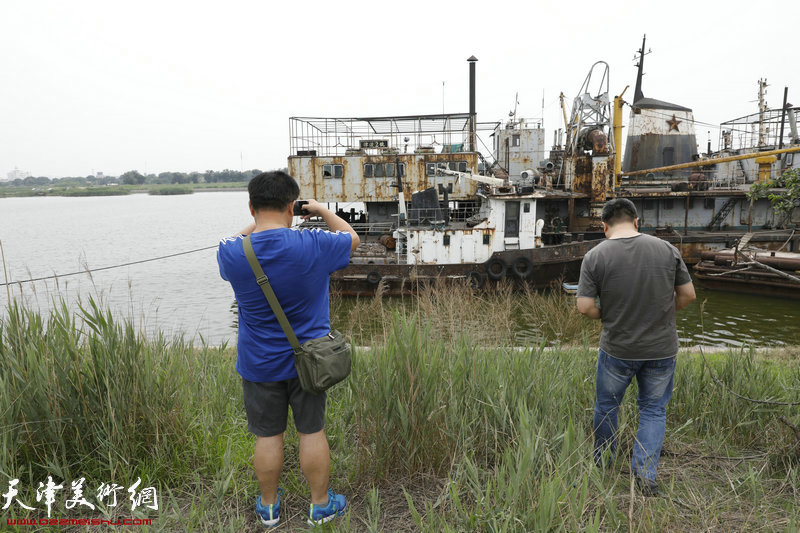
x=648, y=204
x=691, y=202
x=708, y=203
x=515, y=140
x=459, y=166
x=430, y=169
x=526, y=207
x=487, y=239
x=368, y=170
x=512, y=219
x=383, y=170
x=668, y=204
x=332, y=171
x=446, y=240
x=668, y=156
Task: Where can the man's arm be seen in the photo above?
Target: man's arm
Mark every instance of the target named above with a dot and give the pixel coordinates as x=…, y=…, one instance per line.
x=684, y=295
x=334, y=223
x=588, y=307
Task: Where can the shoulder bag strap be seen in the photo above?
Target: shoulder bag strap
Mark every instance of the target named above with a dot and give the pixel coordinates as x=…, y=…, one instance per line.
x=263, y=282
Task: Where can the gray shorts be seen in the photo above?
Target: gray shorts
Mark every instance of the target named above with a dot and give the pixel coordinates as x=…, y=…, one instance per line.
x=266, y=405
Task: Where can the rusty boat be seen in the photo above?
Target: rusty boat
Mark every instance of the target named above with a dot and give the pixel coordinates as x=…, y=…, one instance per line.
x=747, y=269
x=433, y=201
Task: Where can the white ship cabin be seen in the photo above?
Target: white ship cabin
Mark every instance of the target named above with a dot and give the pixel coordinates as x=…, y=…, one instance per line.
x=504, y=222
x=519, y=146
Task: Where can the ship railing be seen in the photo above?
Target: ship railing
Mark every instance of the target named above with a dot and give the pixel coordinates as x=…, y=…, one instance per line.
x=362, y=228
x=390, y=135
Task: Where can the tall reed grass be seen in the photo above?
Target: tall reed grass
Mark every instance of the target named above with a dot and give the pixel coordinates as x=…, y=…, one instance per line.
x=501, y=315
x=433, y=431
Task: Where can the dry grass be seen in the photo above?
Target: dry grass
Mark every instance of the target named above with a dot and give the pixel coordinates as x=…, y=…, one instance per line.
x=432, y=432
x=502, y=315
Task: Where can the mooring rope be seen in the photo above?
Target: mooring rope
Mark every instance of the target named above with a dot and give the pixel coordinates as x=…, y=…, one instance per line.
x=90, y=270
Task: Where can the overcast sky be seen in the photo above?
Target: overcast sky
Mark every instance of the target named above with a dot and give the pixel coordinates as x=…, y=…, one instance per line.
x=111, y=86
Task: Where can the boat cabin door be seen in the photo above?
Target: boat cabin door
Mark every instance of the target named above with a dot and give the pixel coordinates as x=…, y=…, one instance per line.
x=511, y=226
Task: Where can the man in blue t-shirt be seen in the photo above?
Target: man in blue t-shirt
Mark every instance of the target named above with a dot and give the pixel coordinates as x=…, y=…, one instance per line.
x=298, y=264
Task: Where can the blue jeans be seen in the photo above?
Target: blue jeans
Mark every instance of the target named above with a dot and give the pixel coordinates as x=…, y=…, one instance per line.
x=654, y=378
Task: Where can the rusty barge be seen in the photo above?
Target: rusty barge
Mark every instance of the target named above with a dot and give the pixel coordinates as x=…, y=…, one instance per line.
x=748, y=270
x=437, y=202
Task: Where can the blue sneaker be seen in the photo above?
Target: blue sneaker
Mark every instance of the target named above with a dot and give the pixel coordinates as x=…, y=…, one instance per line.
x=318, y=514
x=269, y=514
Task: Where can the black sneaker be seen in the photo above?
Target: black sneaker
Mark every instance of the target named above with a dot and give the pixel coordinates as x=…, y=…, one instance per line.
x=648, y=487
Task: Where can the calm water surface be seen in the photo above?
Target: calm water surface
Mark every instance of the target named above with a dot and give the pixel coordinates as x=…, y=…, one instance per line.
x=185, y=295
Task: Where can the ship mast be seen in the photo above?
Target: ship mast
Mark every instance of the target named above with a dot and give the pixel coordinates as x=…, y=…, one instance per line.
x=637, y=94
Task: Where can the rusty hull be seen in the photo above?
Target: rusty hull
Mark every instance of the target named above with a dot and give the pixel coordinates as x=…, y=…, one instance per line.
x=550, y=263
x=759, y=282
x=696, y=243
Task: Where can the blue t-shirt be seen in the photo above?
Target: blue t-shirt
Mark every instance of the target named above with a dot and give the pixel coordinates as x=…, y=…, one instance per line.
x=298, y=264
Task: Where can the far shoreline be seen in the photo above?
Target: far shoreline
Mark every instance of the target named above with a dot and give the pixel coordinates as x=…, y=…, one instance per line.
x=117, y=190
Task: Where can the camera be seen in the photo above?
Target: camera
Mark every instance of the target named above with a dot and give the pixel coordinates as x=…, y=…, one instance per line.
x=298, y=208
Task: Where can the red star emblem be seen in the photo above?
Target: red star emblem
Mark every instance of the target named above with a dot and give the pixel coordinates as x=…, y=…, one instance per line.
x=673, y=123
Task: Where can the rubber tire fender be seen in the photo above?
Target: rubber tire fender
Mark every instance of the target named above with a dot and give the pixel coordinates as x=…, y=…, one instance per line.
x=374, y=277
x=475, y=279
x=496, y=262
x=522, y=267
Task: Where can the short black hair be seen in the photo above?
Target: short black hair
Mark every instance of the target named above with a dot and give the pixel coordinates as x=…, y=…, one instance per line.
x=273, y=190
x=618, y=210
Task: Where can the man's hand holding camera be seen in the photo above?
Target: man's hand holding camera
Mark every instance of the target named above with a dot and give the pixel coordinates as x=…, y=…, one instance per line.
x=312, y=208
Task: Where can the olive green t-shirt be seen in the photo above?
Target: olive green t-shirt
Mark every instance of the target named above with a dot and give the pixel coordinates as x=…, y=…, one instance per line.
x=635, y=278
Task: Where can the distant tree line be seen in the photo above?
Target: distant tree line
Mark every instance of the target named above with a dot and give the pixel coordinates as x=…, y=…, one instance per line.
x=134, y=177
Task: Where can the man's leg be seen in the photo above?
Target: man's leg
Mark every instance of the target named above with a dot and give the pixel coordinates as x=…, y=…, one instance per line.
x=267, y=405
x=315, y=462
x=655, y=380
x=613, y=377
x=315, y=455
x=268, y=463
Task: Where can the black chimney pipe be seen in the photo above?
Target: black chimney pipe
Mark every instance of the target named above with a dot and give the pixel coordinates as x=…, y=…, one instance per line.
x=472, y=117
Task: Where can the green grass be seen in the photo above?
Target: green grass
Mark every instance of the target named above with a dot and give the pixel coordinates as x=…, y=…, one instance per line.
x=434, y=431
x=171, y=190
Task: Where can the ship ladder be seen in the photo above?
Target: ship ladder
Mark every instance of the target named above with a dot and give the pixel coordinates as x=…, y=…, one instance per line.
x=726, y=208
x=744, y=240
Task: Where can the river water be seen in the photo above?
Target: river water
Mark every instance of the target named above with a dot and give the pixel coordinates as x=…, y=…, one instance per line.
x=43, y=236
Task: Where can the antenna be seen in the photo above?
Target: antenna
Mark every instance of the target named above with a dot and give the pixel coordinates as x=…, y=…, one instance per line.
x=542, y=119
x=513, y=114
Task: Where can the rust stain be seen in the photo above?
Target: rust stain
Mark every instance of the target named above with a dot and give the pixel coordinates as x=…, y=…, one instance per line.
x=599, y=142
x=582, y=182
x=355, y=187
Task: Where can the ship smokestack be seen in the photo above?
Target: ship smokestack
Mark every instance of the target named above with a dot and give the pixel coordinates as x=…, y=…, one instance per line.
x=472, y=116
